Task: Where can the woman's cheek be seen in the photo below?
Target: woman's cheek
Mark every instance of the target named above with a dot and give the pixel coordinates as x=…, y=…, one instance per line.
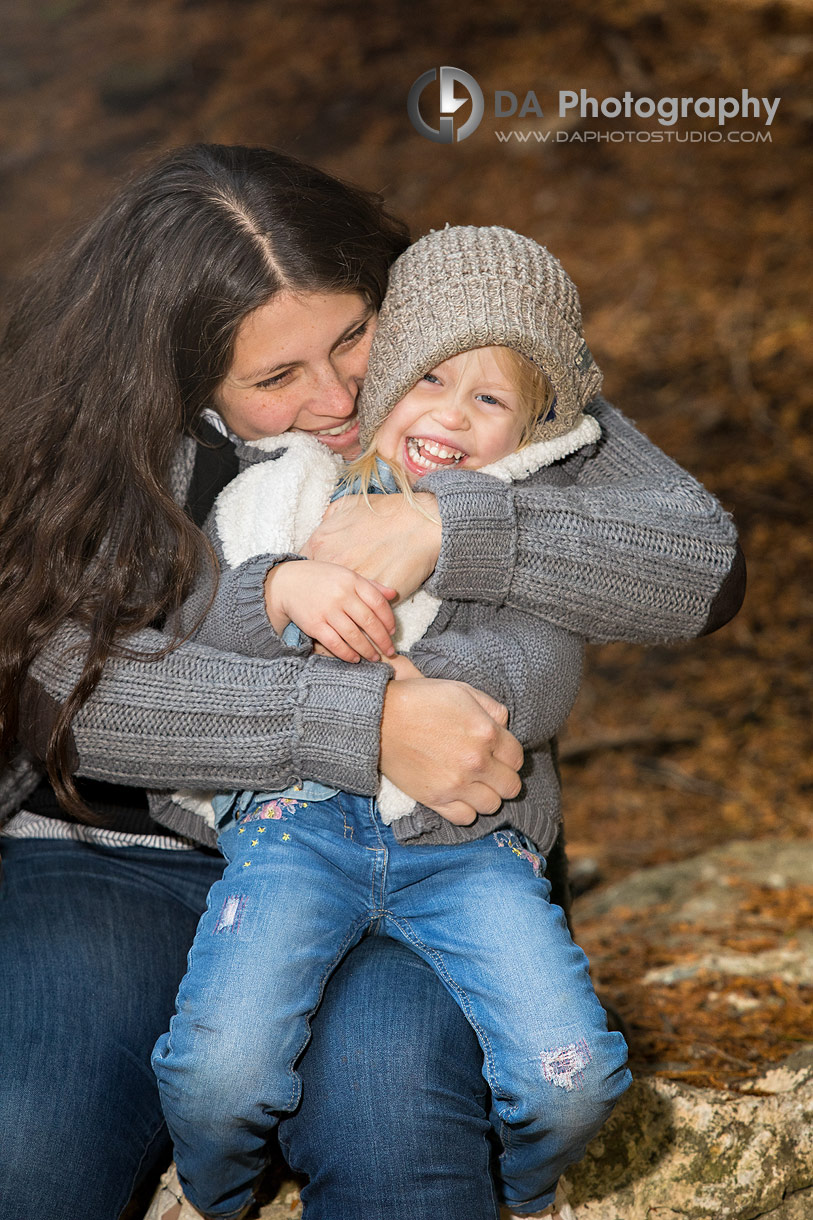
x=257, y=416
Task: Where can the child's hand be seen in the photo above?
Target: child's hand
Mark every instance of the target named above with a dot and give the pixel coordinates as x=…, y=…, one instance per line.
x=347, y=614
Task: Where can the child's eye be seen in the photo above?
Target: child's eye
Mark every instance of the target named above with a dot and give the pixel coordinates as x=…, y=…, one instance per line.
x=490, y=400
x=430, y=377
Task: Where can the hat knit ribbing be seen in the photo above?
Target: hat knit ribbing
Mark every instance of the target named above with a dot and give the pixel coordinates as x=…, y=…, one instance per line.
x=465, y=287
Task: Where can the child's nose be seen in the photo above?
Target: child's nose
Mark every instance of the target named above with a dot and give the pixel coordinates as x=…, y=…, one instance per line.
x=451, y=413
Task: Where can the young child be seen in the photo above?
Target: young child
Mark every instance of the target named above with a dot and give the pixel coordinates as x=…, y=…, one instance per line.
x=479, y=362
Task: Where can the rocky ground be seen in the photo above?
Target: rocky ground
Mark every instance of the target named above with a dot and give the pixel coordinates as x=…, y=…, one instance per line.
x=712, y=960
x=694, y=265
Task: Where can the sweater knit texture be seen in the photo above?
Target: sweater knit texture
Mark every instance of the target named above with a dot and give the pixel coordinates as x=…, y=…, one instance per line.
x=622, y=544
x=466, y=287
x=274, y=506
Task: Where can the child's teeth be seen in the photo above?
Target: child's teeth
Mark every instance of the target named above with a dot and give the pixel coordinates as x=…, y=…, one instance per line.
x=418, y=449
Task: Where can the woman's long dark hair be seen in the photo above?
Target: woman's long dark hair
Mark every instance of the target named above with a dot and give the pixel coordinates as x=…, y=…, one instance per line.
x=111, y=353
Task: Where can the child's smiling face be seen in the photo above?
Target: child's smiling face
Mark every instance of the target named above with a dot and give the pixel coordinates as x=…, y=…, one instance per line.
x=464, y=413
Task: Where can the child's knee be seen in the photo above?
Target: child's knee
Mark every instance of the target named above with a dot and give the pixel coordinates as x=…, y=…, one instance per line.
x=574, y=1086
x=591, y=1072
x=221, y=1088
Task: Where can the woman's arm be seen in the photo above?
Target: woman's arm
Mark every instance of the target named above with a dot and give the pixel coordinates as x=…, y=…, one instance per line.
x=203, y=719
x=636, y=549
x=633, y=549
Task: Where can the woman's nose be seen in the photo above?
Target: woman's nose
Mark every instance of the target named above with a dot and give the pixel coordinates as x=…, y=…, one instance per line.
x=337, y=395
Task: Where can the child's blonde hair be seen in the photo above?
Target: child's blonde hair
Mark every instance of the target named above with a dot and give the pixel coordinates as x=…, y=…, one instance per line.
x=535, y=395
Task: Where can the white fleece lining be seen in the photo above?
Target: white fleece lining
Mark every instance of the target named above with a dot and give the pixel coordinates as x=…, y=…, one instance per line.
x=519, y=465
x=199, y=803
x=275, y=506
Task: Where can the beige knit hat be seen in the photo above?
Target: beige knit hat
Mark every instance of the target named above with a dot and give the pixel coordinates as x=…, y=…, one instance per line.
x=465, y=287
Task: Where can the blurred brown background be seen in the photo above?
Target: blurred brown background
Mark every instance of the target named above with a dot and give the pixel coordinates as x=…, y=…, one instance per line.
x=693, y=262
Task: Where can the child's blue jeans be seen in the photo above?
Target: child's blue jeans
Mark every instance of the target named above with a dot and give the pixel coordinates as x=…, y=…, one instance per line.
x=304, y=882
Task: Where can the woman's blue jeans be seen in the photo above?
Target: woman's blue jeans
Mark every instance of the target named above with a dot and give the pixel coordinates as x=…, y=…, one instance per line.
x=93, y=944
x=305, y=881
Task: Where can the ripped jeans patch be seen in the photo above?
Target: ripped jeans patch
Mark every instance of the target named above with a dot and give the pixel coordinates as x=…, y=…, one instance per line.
x=564, y=1066
x=231, y=914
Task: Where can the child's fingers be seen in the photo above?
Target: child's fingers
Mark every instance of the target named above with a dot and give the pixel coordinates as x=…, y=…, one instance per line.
x=372, y=629
x=387, y=590
x=356, y=635
x=403, y=668
x=335, y=643
x=375, y=616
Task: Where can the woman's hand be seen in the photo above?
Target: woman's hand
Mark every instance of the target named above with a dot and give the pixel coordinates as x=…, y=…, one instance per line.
x=345, y=613
x=446, y=745
x=402, y=667
x=385, y=538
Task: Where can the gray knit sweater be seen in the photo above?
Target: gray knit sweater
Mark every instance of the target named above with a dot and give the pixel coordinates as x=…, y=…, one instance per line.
x=531, y=666
x=625, y=545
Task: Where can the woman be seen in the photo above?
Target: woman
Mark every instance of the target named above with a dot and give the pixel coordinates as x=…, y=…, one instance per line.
x=241, y=280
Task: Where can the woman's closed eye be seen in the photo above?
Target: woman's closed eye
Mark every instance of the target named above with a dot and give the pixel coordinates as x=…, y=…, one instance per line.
x=276, y=380
x=281, y=378
x=356, y=334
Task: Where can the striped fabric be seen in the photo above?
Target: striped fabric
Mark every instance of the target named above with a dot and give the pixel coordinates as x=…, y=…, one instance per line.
x=26, y=825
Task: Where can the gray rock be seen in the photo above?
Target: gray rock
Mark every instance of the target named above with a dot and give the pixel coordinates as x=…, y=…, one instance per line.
x=673, y=1152
x=697, y=888
x=788, y=965
x=795, y=1207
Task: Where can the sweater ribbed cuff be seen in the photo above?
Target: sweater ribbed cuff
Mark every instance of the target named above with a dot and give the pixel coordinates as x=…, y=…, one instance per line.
x=479, y=539
x=433, y=666
x=338, y=723
x=249, y=604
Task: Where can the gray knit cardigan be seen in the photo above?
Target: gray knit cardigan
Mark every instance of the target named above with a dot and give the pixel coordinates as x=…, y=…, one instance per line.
x=626, y=546
x=531, y=666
